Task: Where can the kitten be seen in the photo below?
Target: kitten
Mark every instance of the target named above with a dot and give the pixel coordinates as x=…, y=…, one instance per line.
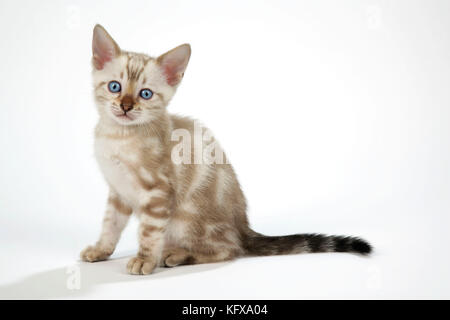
x=188, y=212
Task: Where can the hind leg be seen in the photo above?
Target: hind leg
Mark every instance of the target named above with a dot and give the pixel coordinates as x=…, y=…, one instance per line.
x=180, y=256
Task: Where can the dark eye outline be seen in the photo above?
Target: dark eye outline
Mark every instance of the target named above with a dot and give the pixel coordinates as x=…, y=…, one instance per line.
x=151, y=94
x=114, y=82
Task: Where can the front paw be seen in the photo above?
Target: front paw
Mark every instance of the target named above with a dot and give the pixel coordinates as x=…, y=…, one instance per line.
x=141, y=265
x=94, y=253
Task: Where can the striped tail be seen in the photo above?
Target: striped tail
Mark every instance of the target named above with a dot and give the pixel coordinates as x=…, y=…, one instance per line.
x=260, y=245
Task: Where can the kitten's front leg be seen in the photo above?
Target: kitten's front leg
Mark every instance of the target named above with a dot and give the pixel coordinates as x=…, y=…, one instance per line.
x=154, y=216
x=116, y=217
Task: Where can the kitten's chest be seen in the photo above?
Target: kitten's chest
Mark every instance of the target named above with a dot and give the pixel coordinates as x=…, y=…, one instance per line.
x=117, y=159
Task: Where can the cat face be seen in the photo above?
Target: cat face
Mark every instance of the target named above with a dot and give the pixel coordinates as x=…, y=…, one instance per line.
x=132, y=88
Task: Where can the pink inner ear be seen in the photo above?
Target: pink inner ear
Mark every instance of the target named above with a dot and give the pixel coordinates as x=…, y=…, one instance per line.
x=103, y=48
x=174, y=63
x=101, y=54
x=172, y=74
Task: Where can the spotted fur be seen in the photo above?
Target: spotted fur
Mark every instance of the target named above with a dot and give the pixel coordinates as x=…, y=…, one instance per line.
x=188, y=213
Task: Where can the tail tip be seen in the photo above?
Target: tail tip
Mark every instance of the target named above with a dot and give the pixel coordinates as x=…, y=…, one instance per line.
x=361, y=246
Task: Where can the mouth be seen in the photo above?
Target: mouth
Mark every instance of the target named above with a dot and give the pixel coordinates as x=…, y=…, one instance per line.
x=124, y=116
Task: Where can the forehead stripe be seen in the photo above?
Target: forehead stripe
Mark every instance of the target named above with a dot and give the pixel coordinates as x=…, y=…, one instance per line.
x=135, y=66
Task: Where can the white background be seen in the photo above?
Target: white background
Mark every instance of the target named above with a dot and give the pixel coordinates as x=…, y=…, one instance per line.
x=335, y=115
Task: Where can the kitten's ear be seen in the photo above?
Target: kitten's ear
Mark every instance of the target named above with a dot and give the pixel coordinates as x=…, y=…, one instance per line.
x=104, y=48
x=174, y=63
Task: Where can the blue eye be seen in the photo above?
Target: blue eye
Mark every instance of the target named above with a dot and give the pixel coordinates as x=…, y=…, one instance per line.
x=146, y=94
x=114, y=86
